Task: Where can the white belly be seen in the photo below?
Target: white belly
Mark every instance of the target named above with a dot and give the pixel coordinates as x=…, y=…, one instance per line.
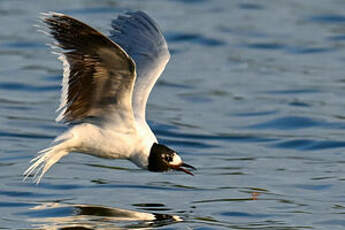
x=114, y=144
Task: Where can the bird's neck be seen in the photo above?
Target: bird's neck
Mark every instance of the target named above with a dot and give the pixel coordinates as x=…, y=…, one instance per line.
x=141, y=155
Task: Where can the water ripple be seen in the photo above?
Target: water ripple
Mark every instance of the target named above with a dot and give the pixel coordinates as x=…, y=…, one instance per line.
x=26, y=135
x=139, y=187
x=193, y=38
x=174, y=85
x=289, y=49
x=94, y=10
x=296, y=122
x=314, y=187
x=24, y=45
x=288, y=123
x=245, y=214
x=266, y=46
x=293, y=91
x=250, y=6
x=220, y=137
x=333, y=222
x=307, y=144
x=310, y=50
x=27, y=88
x=19, y=194
x=191, y=1
x=61, y=186
x=7, y=204
x=337, y=38
x=328, y=18
x=193, y=144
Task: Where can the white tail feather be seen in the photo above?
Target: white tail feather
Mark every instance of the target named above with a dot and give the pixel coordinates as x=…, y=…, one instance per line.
x=47, y=158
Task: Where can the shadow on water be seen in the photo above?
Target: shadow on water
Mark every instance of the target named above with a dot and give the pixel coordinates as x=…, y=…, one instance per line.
x=56, y=215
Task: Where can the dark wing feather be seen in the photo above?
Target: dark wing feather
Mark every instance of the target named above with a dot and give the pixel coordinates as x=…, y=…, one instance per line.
x=98, y=77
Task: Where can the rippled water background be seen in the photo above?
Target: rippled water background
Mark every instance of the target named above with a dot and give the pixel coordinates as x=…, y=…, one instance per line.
x=253, y=96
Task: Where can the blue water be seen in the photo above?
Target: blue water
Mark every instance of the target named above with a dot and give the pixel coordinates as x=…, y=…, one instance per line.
x=253, y=96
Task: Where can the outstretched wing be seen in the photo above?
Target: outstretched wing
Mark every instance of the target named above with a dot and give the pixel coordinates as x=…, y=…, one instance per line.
x=99, y=76
x=141, y=38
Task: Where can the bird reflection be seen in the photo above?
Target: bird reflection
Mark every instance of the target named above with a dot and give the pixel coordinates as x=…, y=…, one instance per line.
x=80, y=216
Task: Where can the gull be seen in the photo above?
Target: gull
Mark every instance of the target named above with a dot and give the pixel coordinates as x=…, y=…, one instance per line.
x=105, y=87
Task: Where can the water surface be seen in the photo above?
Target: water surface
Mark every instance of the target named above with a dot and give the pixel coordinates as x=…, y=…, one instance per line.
x=253, y=96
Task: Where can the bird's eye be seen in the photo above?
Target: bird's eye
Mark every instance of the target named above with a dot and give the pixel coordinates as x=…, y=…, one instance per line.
x=167, y=157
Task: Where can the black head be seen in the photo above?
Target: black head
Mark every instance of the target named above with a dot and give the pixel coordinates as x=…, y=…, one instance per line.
x=163, y=159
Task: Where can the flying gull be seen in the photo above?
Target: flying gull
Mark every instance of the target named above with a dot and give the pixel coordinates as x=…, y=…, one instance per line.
x=105, y=87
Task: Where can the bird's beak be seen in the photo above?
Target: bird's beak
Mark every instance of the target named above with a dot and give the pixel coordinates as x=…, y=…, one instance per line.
x=180, y=168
